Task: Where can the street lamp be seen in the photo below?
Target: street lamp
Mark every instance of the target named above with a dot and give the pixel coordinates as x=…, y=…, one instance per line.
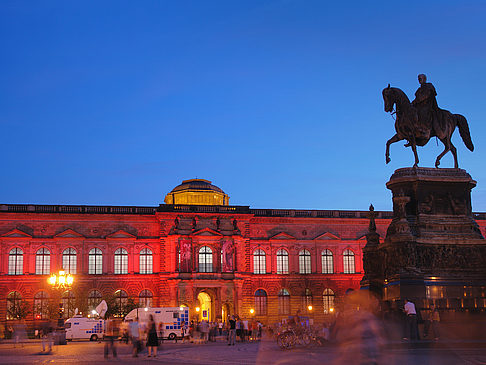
x=60, y=282
x=252, y=311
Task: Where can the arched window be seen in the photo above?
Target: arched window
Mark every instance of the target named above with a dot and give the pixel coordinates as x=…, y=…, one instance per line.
x=41, y=305
x=68, y=303
x=94, y=298
x=121, y=261
x=283, y=302
x=14, y=305
x=121, y=301
x=304, y=262
x=95, y=261
x=15, y=261
x=259, y=266
x=328, y=300
x=260, y=302
x=348, y=262
x=306, y=298
x=205, y=259
x=145, y=298
x=327, y=262
x=69, y=260
x=42, y=262
x=282, y=262
x=146, y=261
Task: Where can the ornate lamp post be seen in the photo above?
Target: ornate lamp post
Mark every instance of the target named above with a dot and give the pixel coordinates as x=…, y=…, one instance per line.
x=61, y=282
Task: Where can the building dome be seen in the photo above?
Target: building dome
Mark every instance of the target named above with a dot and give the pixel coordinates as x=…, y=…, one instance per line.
x=197, y=192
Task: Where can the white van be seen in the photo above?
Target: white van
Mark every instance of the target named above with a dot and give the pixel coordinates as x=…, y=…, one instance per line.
x=170, y=317
x=78, y=328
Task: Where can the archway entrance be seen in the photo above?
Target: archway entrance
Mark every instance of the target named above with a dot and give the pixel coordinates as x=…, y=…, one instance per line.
x=205, y=312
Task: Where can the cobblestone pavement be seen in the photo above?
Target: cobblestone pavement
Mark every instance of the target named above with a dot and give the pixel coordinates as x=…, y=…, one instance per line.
x=262, y=353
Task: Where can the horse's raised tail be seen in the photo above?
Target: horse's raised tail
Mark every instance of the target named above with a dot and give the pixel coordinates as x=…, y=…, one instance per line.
x=464, y=131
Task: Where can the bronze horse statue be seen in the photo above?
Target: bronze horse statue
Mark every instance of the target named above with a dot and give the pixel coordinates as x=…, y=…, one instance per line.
x=418, y=133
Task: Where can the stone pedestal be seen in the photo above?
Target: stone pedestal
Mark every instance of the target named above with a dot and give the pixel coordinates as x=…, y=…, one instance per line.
x=433, y=249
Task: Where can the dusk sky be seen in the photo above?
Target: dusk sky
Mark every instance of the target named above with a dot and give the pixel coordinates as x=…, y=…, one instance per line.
x=276, y=102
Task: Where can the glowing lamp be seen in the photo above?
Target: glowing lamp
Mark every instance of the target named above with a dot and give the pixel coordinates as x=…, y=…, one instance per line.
x=252, y=311
x=309, y=307
x=145, y=309
x=69, y=280
x=198, y=309
x=52, y=279
x=62, y=279
x=331, y=310
x=93, y=312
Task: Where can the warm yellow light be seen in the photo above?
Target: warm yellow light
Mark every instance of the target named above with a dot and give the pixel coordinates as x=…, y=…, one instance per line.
x=252, y=311
x=52, y=279
x=62, y=273
x=331, y=310
x=198, y=309
x=145, y=309
x=309, y=307
x=70, y=280
x=62, y=280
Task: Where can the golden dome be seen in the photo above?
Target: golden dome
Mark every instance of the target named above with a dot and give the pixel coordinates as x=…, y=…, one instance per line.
x=197, y=192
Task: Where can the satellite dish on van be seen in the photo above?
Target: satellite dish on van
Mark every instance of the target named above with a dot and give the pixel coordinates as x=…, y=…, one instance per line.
x=102, y=308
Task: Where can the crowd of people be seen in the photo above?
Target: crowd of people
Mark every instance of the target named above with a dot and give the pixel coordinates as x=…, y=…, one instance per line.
x=151, y=334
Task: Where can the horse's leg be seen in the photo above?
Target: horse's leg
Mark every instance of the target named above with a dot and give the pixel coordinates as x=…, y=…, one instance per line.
x=394, y=139
x=414, y=149
x=447, y=147
x=454, y=153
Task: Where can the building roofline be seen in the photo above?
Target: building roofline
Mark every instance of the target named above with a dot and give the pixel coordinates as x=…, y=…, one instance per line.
x=180, y=208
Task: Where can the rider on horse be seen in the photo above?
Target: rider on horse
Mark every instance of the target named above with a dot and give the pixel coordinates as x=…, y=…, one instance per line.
x=427, y=109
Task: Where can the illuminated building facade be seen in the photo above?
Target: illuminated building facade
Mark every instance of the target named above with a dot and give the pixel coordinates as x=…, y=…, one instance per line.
x=196, y=250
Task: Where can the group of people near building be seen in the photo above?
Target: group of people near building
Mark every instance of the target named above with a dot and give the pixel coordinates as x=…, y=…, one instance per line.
x=243, y=329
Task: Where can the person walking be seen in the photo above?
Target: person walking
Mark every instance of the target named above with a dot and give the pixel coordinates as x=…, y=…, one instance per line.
x=411, y=321
x=46, y=336
x=152, y=340
x=134, y=332
x=111, y=331
x=232, y=331
x=432, y=321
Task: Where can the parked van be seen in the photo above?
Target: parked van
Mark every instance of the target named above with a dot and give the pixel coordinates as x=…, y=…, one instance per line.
x=79, y=327
x=170, y=318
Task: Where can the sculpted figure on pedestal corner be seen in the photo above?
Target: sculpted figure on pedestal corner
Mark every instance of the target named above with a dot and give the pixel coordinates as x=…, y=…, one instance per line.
x=422, y=119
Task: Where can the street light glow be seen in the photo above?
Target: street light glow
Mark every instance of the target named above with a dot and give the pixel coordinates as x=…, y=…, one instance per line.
x=309, y=307
x=252, y=311
x=331, y=310
x=198, y=309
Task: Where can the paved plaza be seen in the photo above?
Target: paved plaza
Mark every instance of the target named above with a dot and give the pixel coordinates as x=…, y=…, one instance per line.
x=265, y=352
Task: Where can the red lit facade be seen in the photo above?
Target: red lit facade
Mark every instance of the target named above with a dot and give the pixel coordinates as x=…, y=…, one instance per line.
x=225, y=259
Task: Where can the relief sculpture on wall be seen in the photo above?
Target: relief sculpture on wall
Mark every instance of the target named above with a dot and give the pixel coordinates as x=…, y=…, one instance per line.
x=185, y=251
x=228, y=251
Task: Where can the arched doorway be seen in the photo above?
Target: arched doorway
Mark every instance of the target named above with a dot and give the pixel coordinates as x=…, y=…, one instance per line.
x=205, y=312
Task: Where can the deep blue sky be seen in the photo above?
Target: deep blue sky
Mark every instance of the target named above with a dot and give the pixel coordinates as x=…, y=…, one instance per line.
x=277, y=102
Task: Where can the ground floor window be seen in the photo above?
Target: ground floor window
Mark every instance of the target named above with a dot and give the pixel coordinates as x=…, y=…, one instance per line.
x=260, y=302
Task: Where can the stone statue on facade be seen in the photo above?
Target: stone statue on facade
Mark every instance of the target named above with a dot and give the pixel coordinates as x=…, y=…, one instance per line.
x=185, y=251
x=228, y=254
x=422, y=119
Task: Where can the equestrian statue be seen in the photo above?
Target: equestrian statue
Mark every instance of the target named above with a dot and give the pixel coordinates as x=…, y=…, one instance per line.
x=422, y=119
